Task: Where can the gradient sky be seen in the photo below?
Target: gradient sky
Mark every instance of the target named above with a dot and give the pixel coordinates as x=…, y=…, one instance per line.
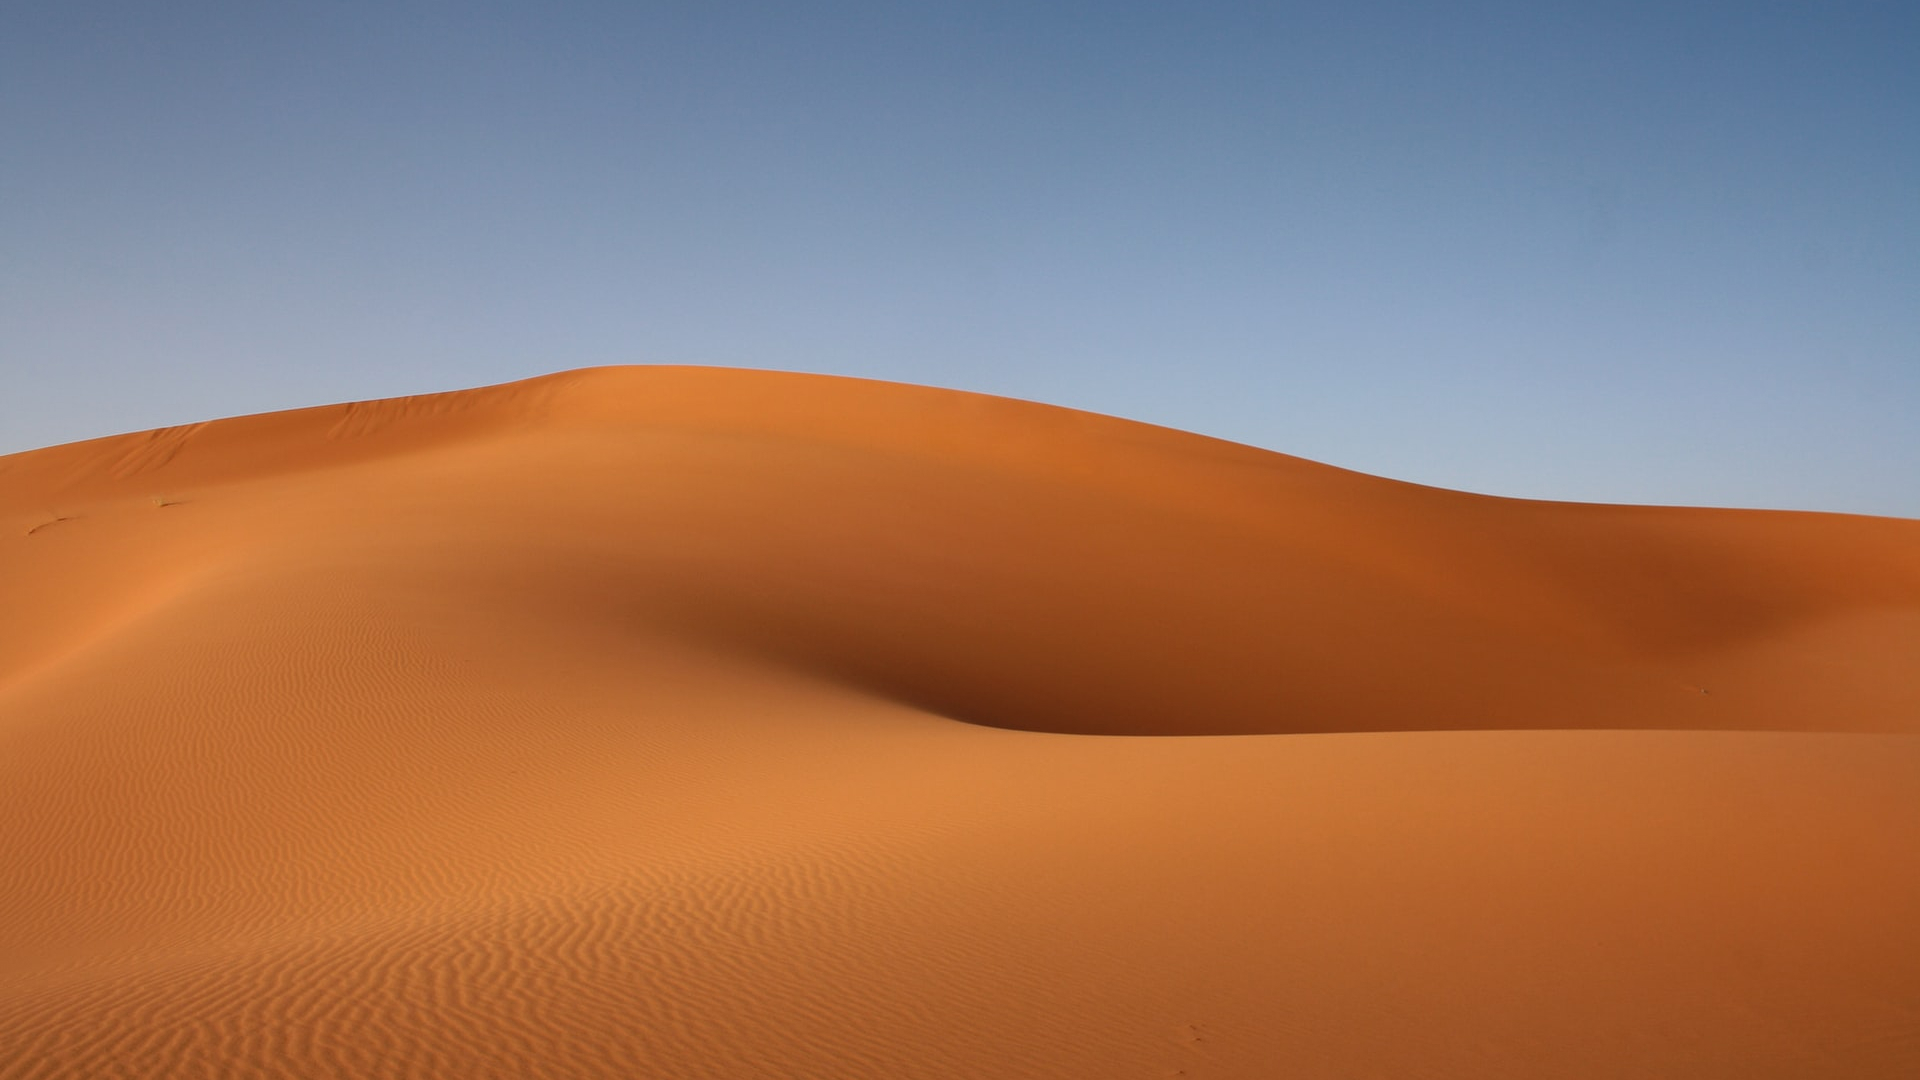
x=1663, y=252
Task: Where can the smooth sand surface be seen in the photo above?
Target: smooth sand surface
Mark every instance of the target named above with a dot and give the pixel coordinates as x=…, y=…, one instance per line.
x=677, y=722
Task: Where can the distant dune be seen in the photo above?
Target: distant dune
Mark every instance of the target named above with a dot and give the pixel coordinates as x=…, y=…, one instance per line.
x=683, y=722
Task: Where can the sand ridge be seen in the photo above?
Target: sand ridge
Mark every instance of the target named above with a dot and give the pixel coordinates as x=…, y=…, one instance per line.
x=699, y=722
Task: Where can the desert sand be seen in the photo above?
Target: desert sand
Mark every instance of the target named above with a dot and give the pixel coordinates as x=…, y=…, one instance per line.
x=681, y=722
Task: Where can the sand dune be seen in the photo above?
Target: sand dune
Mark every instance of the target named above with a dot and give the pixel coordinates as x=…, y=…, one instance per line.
x=699, y=723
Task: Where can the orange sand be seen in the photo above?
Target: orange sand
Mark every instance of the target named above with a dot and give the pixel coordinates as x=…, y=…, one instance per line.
x=667, y=722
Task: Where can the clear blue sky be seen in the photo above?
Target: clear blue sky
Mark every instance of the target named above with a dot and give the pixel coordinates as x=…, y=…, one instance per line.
x=1663, y=252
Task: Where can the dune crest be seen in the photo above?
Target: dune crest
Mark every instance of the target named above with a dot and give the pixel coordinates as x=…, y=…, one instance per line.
x=701, y=722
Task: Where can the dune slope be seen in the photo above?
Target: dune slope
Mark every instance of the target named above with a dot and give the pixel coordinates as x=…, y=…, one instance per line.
x=692, y=722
